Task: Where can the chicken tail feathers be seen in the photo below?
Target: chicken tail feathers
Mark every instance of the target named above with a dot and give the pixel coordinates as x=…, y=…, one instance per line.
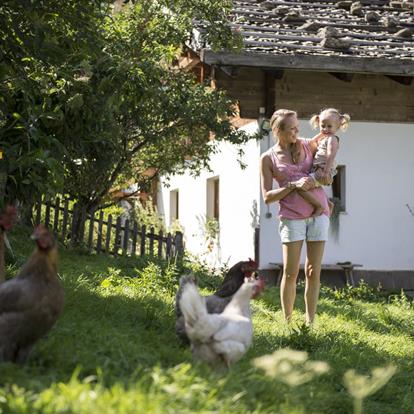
x=192, y=305
x=183, y=282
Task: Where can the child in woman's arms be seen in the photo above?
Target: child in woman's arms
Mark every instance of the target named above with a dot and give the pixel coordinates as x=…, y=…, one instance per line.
x=329, y=122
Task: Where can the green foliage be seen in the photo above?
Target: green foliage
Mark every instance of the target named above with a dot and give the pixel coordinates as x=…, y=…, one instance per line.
x=362, y=291
x=147, y=214
x=401, y=300
x=175, y=227
x=43, y=46
x=362, y=386
x=210, y=230
x=86, y=93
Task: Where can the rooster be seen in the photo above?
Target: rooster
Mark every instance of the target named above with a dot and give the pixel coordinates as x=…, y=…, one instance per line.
x=219, y=339
x=218, y=301
x=31, y=302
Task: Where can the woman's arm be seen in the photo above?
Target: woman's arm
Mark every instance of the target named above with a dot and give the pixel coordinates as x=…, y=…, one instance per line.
x=270, y=195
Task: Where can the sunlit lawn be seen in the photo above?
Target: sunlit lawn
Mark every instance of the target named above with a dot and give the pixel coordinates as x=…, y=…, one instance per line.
x=114, y=349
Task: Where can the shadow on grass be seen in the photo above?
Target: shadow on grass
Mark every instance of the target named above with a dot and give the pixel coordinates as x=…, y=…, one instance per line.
x=118, y=333
x=121, y=335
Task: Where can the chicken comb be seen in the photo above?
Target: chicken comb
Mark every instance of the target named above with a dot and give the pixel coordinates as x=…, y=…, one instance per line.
x=253, y=263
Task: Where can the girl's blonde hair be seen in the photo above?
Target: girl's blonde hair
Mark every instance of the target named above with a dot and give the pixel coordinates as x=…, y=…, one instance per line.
x=278, y=119
x=344, y=119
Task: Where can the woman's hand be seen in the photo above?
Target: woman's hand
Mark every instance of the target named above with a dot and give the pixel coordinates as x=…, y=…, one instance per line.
x=305, y=183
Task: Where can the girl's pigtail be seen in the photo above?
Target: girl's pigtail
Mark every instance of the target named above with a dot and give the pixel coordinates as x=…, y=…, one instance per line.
x=344, y=121
x=314, y=121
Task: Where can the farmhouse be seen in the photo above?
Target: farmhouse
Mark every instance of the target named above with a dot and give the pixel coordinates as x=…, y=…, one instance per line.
x=307, y=55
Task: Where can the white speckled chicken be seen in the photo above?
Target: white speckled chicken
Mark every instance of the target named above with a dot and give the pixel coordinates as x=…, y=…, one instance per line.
x=219, y=339
x=221, y=298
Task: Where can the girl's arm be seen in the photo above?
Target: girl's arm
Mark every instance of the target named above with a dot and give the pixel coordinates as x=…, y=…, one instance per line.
x=270, y=195
x=331, y=150
x=313, y=142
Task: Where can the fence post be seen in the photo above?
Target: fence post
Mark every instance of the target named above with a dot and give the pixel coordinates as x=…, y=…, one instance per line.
x=91, y=227
x=38, y=211
x=99, y=241
x=108, y=235
x=65, y=219
x=73, y=229
x=151, y=242
x=179, y=245
x=56, y=217
x=82, y=225
x=126, y=238
x=160, y=242
x=169, y=243
x=117, y=235
x=47, y=213
x=134, y=239
x=143, y=237
x=257, y=245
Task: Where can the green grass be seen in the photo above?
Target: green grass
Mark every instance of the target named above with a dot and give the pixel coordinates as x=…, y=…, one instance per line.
x=114, y=348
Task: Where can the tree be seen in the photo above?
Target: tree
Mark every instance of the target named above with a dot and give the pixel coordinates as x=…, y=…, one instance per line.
x=92, y=98
x=43, y=46
x=159, y=117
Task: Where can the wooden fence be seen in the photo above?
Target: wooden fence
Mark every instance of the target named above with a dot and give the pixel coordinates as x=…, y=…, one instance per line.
x=107, y=235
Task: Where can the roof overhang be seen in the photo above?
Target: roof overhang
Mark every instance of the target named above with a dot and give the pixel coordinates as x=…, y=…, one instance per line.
x=364, y=65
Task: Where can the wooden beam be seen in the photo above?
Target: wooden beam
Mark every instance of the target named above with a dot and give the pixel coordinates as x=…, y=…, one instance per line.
x=231, y=71
x=270, y=90
x=403, y=80
x=344, y=77
x=341, y=64
x=213, y=82
x=188, y=62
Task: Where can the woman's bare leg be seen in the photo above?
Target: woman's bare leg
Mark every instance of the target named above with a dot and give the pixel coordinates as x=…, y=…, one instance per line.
x=291, y=262
x=313, y=277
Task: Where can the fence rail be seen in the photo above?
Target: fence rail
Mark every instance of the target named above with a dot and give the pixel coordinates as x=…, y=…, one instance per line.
x=107, y=235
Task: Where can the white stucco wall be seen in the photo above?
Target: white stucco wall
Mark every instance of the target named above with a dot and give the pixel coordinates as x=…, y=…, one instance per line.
x=377, y=229
x=239, y=193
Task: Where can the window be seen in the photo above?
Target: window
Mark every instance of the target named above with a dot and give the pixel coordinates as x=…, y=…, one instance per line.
x=338, y=188
x=213, y=198
x=174, y=206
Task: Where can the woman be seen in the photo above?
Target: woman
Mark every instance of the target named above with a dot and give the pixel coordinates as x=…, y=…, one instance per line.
x=289, y=162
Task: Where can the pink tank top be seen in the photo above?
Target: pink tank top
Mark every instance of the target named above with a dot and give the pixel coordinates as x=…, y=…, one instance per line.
x=293, y=206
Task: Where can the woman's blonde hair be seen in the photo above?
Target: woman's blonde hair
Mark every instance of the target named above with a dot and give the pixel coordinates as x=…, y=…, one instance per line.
x=344, y=119
x=278, y=119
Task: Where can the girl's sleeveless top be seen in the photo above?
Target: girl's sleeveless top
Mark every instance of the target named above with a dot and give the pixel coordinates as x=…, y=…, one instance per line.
x=293, y=206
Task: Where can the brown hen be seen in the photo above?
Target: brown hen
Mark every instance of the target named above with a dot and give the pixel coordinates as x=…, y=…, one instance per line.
x=31, y=302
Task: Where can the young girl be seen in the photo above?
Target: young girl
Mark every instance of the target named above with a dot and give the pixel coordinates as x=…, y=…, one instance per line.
x=329, y=122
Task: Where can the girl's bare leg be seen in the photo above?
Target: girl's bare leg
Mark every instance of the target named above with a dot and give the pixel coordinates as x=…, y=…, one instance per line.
x=291, y=262
x=313, y=266
x=311, y=199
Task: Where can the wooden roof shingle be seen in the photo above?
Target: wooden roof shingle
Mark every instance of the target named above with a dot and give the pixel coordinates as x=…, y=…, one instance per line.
x=367, y=36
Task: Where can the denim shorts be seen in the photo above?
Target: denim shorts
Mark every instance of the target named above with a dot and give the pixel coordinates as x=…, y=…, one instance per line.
x=310, y=229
